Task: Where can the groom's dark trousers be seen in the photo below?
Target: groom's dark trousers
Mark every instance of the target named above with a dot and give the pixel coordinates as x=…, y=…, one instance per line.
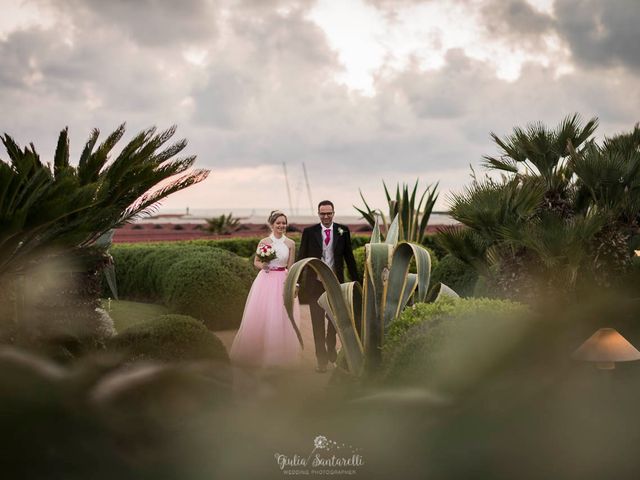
x=324, y=333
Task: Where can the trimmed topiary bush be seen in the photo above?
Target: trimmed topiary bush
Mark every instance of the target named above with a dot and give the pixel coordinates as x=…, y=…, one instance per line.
x=170, y=338
x=450, y=345
x=193, y=279
x=211, y=286
x=455, y=274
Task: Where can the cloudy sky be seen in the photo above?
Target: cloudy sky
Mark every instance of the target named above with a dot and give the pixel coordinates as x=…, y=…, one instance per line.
x=357, y=90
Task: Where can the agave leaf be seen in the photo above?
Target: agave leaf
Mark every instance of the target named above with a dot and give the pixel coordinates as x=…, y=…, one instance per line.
x=375, y=234
x=393, y=232
x=371, y=329
x=370, y=218
x=386, y=192
x=423, y=269
x=440, y=292
x=377, y=265
x=412, y=282
x=335, y=303
x=347, y=326
x=397, y=283
x=401, y=285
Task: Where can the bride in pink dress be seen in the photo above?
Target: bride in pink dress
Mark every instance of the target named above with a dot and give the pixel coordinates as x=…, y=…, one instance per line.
x=266, y=337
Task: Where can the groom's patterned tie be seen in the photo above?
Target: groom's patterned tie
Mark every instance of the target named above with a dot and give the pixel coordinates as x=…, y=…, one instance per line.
x=327, y=236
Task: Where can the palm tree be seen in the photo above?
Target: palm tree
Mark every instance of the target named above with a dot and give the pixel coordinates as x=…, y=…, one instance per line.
x=223, y=225
x=484, y=209
x=566, y=207
x=537, y=151
x=69, y=207
x=608, y=178
x=48, y=210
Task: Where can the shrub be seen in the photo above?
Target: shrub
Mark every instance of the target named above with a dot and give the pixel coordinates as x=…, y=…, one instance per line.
x=243, y=247
x=188, y=277
x=141, y=269
x=430, y=241
x=450, y=345
x=159, y=263
x=455, y=274
x=358, y=241
x=170, y=338
x=212, y=286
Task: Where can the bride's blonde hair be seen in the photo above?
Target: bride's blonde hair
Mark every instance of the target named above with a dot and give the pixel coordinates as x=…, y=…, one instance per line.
x=274, y=215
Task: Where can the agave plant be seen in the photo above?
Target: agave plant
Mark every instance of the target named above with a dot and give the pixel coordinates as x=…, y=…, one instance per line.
x=413, y=217
x=361, y=314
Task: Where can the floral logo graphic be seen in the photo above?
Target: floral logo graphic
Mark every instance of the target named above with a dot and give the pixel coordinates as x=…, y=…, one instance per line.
x=327, y=457
x=321, y=442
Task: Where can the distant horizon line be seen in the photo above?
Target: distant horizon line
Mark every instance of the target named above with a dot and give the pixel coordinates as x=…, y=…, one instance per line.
x=252, y=211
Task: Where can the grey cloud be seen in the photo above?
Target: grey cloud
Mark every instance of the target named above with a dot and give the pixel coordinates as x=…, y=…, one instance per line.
x=516, y=19
x=151, y=23
x=277, y=62
x=268, y=95
x=601, y=32
x=446, y=93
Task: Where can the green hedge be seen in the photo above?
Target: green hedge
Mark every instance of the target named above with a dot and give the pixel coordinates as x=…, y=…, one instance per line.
x=191, y=278
x=243, y=247
x=455, y=274
x=211, y=287
x=450, y=345
x=169, y=338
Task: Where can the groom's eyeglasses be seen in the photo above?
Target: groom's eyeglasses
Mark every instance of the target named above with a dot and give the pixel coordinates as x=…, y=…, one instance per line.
x=326, y=214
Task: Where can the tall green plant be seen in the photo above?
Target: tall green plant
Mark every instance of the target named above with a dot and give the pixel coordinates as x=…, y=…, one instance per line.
x=62, y=206
x=413, y=217
x=361, y=314
x=565, y=208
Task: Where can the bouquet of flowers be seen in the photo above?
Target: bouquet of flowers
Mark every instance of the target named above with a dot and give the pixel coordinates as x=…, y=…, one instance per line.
x=265, y=253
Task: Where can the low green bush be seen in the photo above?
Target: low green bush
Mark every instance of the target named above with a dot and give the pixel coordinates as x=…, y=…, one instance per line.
x=195, y=279
x=456, y=274
x=358, y=241
x=211, y=286
x=169, y=338
x=243, y=247
x=451, y=344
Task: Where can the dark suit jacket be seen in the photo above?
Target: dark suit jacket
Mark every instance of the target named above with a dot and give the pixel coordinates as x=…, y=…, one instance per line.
x=311, y=246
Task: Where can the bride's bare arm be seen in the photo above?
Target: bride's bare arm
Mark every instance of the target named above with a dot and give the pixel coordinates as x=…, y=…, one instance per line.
x=292, y=254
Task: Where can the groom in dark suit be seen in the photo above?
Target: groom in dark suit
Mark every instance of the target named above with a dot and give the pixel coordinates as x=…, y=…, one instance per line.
x=330, y=242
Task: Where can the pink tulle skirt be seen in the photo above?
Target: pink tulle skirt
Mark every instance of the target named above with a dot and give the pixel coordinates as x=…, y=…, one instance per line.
x=266, y=337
